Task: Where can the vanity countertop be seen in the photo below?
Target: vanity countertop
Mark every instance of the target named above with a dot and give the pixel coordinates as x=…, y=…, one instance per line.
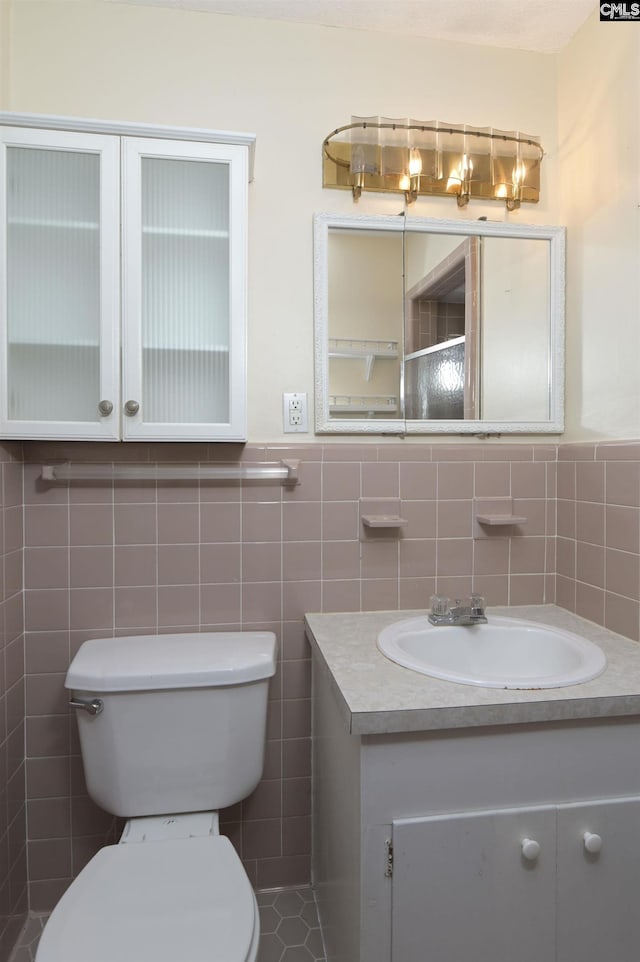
x=376, y=696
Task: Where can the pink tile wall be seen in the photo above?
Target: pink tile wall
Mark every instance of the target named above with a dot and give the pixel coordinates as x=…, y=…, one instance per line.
x=599, y=533
x=102, y=559
x=130, y=558
x=13, y=859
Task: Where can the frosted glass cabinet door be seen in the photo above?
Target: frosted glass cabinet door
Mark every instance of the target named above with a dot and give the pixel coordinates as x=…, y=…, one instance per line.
x=59, y=278
x=184, y=268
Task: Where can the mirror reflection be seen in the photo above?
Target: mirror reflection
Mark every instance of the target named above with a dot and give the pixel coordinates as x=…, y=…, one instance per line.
x=427, y=326
x=365, y=323
x=441, y=311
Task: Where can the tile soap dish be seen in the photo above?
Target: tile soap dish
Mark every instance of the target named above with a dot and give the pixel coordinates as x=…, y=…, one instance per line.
x=383, y=521
x=494, y=513
x=500, y=519
x=380, y=517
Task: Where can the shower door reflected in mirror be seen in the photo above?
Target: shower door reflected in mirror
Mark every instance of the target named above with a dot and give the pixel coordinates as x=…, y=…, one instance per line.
x=441, y=327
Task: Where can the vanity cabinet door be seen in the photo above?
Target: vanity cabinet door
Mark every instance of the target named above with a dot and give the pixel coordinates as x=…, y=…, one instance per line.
x=464, y=891
x=60, y=284
x=597, y=891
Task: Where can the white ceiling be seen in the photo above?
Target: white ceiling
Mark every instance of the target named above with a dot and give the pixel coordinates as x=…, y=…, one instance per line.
x=540, y=25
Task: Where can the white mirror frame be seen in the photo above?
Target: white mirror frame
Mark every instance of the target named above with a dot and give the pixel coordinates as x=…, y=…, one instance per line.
x=325, y=424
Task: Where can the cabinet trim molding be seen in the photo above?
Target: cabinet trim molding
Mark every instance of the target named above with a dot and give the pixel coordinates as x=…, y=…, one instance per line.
x=132, y=129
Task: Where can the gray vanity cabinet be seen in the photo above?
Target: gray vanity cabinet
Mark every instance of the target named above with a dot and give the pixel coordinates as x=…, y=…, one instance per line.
x=597, y=894
x=457, y=805
x=536, y=884
x=461, y=888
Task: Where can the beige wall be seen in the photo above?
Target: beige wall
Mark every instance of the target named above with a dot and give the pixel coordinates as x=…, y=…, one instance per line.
x=290, y=84
x=599, y=179
x=5, y=12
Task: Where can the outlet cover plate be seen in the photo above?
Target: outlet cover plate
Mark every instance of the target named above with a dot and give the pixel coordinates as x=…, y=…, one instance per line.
x=294, y=413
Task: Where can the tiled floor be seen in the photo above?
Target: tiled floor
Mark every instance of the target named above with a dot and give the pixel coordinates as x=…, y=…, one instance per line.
x=289, y=927
x=288, y=923
x=25, y=950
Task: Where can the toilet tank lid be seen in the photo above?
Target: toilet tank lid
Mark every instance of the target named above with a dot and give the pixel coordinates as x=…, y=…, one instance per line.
x=180, y=660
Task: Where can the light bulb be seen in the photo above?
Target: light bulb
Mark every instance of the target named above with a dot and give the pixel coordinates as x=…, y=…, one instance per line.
x=415, y=162
x=518, y=175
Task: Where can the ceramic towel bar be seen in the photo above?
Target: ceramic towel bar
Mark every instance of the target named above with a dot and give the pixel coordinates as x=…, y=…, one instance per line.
x=285, y=472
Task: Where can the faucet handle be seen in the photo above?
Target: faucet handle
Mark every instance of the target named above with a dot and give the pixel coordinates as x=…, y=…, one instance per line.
x=477, y=603
x=439, y=605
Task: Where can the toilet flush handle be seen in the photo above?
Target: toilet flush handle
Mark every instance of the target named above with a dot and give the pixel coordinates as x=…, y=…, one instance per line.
x=92, y=705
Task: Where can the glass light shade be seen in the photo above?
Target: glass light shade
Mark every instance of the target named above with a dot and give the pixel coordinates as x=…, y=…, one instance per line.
x=530, y=160
x=365, y=152
x=394, y=138
x=477, y=150
x=454, y=162
x=515, y=166
x=426, y=143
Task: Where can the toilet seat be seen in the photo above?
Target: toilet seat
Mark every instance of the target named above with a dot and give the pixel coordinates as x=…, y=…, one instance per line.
x=171, y=901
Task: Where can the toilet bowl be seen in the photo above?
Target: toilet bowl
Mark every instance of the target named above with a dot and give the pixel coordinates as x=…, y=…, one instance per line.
x=162, y=900
x=179, y=718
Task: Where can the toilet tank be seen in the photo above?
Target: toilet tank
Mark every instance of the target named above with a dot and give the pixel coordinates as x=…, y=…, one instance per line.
x=183, y=719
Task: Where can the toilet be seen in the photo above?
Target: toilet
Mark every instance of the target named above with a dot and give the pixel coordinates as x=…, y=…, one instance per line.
x=172, y=728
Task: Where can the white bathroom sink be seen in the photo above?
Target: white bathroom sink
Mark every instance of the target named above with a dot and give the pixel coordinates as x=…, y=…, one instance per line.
x=505, y=653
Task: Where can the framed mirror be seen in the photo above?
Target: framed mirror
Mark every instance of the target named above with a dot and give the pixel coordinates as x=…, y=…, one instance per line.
x=426, y=326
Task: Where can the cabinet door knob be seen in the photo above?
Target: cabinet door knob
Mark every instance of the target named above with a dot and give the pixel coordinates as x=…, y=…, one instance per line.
x=131, y=408
x=105, y=408
x=530, y=849
x=592, y=843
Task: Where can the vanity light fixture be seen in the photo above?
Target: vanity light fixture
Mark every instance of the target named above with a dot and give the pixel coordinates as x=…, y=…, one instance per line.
x=416, y=158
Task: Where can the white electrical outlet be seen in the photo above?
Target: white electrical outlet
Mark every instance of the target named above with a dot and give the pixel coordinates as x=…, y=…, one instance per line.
x=294, y=413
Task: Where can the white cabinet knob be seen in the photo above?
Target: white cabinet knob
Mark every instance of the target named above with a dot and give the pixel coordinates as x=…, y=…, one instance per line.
x=530, y=849
x=592, y=843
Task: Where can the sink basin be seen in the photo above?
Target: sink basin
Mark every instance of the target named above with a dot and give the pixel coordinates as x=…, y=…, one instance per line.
x=505, y=653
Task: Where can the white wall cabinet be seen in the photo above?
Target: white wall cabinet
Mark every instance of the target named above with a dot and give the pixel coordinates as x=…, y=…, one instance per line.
x=124, y=285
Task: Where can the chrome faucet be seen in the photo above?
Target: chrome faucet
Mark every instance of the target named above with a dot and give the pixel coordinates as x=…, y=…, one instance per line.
x=469, y=613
